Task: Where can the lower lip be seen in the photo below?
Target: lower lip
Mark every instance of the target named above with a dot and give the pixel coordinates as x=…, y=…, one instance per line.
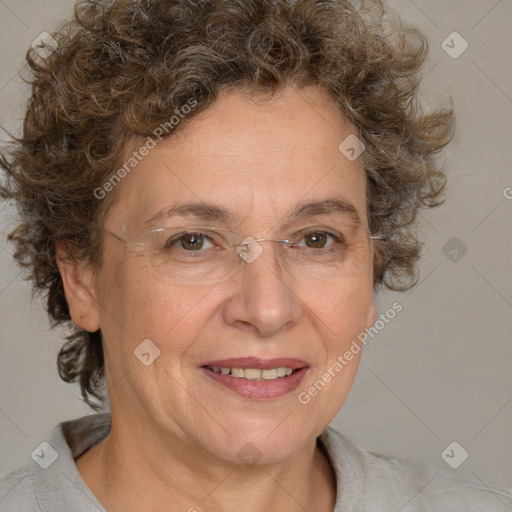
x=259, y=389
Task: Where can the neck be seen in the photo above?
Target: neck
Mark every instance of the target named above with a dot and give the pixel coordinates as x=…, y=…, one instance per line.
x=132, y=470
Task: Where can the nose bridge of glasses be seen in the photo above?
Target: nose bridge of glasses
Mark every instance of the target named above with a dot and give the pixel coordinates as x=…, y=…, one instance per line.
x=250, y=240
x=250, y=249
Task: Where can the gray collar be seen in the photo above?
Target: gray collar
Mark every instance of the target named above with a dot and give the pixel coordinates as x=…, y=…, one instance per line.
x=60, y=486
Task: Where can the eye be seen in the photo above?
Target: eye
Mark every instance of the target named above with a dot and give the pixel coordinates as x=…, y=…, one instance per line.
x=189, y=241
x=318, y=239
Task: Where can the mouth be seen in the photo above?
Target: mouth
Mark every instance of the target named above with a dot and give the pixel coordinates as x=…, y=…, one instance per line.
x=255, y=378
x=253, y=373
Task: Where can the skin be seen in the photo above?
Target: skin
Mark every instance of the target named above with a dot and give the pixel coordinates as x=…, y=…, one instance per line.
x=183, y=430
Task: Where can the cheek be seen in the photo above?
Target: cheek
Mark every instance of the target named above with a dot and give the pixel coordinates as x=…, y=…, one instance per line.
x=345, y=308
x=172, y=317
x=134, y=307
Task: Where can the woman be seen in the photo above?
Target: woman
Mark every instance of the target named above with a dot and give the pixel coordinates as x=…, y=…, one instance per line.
x=211, y=195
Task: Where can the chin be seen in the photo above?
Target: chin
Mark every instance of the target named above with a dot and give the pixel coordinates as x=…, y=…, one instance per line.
x=263, y=442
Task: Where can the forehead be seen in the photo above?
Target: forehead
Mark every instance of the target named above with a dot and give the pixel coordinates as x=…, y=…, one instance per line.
x=251, y=157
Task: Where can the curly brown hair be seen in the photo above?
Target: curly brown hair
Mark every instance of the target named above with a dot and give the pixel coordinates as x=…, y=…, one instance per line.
x=120, y=69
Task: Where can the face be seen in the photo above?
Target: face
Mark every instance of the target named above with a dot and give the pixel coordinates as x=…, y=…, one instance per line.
x=259, y=161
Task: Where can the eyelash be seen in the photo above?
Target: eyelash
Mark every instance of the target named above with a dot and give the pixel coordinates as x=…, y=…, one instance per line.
x=337, y=238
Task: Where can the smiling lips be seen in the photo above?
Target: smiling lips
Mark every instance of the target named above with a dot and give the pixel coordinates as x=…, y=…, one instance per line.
x=257, y=378
x=253, y=373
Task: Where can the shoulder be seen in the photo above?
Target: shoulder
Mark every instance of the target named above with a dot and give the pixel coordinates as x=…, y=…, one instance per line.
x=51, y=481
x=17, y=490
x=391, y=482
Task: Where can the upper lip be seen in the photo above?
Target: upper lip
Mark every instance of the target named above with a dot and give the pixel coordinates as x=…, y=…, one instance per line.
x=255, y=362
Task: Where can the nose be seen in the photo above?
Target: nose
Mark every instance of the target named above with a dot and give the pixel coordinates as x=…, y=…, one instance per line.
x=264, y=299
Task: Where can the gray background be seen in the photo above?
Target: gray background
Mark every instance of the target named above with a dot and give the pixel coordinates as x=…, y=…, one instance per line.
x=440, y=371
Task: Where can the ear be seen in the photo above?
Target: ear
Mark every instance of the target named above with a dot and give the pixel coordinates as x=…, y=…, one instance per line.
x=371, y=318
x=78, y=281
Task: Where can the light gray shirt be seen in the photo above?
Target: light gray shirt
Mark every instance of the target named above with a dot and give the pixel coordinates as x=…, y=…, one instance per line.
x=366, y=481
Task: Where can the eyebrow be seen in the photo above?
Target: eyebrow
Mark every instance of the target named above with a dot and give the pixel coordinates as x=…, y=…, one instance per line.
x=212, y=213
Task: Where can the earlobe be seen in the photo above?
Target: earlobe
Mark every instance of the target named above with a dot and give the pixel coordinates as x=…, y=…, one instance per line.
x=78, y=282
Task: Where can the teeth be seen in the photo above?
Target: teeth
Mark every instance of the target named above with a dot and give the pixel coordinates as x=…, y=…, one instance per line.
x=254, y=373
x=238, y=372
x=269, y=374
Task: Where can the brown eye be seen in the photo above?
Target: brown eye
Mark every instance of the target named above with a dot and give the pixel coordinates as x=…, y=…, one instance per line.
x=187, y=241
x=323, y=241
x=316, y=240
x=192, y=241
